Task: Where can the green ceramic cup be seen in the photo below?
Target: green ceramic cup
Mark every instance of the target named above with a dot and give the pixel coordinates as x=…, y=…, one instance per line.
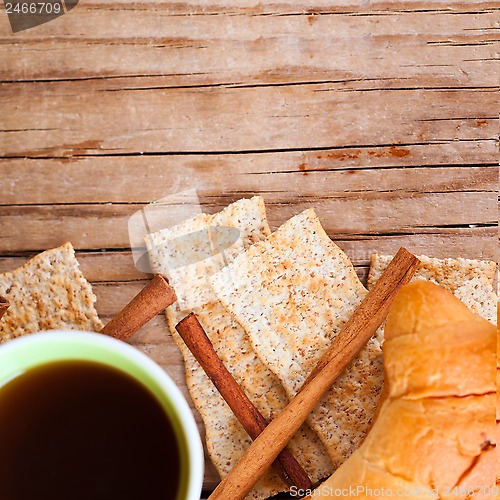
x=27, y=352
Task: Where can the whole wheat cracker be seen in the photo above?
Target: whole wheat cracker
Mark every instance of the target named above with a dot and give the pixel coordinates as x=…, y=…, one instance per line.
x=469, y=280
x=48, y=292
x=293, y=293
x=226, y=439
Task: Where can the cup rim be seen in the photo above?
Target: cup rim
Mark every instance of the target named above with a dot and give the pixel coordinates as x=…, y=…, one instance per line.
x=191, y=433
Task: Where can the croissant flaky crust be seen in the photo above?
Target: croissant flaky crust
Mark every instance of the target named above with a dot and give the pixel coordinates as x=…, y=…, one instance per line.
x=434, y=435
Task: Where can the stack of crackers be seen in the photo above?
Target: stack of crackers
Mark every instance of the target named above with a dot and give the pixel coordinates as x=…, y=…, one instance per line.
x=272, y=304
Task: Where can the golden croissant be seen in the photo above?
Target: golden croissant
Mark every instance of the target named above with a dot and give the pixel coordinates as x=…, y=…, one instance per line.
x=434, y=434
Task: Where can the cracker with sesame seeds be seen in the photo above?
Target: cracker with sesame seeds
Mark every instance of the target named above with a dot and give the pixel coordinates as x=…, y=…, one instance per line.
x=226, y=438
x=48, y=292
x=293, y=292
x=469, y=280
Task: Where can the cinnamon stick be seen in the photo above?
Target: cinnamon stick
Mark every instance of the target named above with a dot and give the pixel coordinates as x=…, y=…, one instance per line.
x=156, y=296
x=249, y=416
x=364, y=322
x=4, y=305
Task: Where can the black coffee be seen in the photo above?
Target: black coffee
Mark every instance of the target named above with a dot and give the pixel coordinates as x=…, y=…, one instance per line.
x=78, y=430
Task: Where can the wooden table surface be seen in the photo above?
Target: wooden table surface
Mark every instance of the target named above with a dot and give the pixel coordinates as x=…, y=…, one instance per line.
x=380, y=114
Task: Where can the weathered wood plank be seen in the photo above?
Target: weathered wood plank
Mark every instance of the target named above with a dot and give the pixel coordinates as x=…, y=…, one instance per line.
x=221, y=120
x=250, y=7
x=106, y=226
x=338, y=172
x=474, y=243
x=197, y=43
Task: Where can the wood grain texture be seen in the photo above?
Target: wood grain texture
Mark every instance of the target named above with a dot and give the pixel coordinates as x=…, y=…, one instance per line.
x=381, y=114
x=281, y=118
x=234, y=43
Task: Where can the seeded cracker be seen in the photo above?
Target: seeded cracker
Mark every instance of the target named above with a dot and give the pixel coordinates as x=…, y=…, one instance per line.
x=226, y=439
x=293, y=292
x=48, y=292
x=469, y=280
